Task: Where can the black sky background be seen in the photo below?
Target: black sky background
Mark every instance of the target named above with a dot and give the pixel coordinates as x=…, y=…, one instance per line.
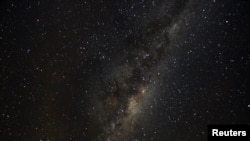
x=58, y=59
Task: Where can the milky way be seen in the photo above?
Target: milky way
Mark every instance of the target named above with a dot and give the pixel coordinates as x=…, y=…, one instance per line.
x=140, y=66
x=122, y=70
x=132, y=83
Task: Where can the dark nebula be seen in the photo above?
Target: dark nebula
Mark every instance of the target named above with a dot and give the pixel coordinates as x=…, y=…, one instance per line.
x=122, y=70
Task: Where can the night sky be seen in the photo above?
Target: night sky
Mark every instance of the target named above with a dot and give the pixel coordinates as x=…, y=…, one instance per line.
x=122, y=70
